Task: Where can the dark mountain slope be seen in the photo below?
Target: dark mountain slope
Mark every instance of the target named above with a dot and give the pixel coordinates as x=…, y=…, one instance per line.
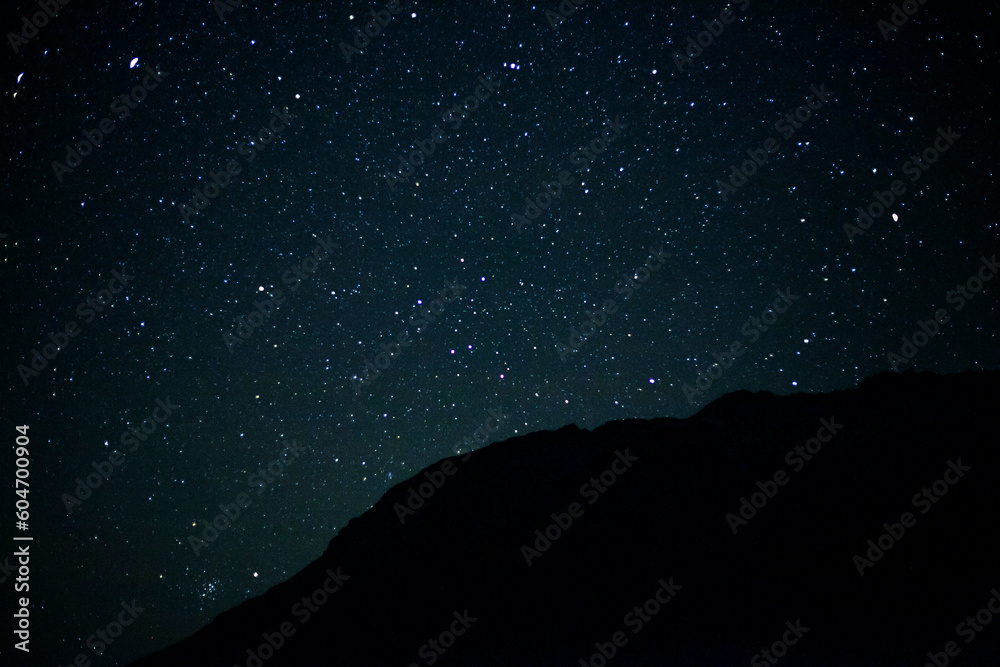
x=661, y=528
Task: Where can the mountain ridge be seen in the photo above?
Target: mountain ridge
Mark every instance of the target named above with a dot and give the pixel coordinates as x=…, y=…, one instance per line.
x=472, y=550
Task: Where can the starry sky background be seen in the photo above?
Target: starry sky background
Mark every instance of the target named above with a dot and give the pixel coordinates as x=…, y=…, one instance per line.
x=495, y=347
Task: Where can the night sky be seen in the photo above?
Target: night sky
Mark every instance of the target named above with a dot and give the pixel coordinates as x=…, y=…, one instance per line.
x=314, y=229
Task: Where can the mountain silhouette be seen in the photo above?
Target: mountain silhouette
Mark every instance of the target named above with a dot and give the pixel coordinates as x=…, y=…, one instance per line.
x=858, y=527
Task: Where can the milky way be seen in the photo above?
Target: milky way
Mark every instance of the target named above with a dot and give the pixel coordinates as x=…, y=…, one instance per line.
x=306, y=250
